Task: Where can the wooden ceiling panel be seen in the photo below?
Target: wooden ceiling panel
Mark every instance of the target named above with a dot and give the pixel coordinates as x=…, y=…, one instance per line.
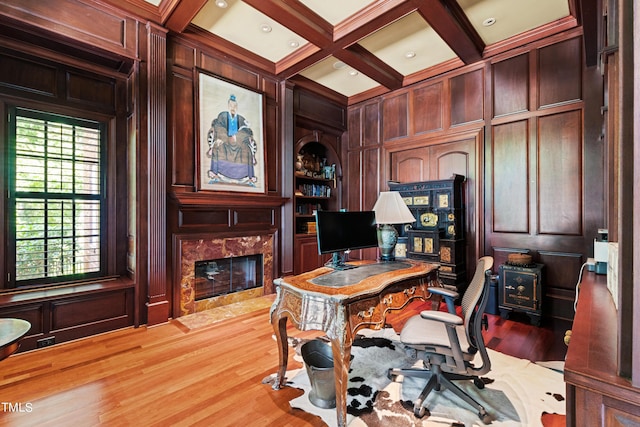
x=326, y=33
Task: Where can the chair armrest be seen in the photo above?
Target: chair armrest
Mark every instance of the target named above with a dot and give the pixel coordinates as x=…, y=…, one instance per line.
x=444, y=292
x=449, y=297
x=441, y=316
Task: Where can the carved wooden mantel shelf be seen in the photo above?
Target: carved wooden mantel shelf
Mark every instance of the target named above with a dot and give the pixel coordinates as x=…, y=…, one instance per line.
x=219, y=199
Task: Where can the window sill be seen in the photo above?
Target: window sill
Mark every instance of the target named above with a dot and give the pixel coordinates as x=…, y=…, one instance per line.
x=21, y=296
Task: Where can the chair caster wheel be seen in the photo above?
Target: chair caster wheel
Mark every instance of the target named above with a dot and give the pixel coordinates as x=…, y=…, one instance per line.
x=478, y=383
x=419, y=412
x=391, y=375
x=485, y=417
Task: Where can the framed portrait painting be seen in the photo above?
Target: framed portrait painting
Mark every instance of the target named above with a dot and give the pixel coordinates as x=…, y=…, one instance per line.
x=231, y=137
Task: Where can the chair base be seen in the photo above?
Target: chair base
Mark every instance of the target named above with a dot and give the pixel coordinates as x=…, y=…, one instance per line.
x=438, y=380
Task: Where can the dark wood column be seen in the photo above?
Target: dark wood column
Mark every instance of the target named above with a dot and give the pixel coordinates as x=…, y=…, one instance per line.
x=153, y=161
x=287, y=233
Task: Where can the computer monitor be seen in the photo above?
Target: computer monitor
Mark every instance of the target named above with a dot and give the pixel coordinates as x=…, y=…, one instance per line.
x=340, y=231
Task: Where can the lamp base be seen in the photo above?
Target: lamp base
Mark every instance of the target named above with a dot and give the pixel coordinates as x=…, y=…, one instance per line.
x=387, y=239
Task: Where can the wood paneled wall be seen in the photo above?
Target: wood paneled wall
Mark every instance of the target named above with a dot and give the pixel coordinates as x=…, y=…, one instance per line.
x=186, y=60
x=515, y=127
x=191, y=210
x=59, y=85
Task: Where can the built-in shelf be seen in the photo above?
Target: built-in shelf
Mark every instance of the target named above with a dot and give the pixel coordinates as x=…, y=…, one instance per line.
x=315, y=188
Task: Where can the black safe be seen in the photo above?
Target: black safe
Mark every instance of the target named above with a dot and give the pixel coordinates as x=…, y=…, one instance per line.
x=520, y=289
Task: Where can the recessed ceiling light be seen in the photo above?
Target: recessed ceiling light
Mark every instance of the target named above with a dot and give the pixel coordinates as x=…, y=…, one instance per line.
x=489, y=22
x=338, y=65
x=410, y=54
x=221, y=4
x=265, y=28
x=353, y=73
x=293, y=44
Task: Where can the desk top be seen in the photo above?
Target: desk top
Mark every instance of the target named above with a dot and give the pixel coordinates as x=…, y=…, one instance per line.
x=591, y=360
x=369, y=277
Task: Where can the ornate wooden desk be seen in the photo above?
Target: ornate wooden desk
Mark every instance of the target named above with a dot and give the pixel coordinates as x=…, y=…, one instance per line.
x=341, y=302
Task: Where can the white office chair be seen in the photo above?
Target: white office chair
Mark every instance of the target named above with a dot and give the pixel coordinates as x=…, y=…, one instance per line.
x=448, y=344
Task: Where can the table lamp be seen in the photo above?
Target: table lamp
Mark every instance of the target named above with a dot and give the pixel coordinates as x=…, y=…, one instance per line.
x=390, y=209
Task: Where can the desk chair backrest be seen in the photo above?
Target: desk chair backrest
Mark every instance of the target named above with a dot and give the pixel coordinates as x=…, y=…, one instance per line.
x=474, y=301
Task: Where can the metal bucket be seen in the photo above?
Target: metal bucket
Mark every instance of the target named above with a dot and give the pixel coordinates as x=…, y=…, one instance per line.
x=318, y=360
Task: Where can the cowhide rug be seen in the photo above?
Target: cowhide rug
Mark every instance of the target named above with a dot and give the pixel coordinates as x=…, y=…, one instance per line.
x=517, y=392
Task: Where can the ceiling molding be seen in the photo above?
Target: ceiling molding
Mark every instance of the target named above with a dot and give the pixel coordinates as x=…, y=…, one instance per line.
x=445, y=67
x=365, y=96
x=310, y=85
x=140, y=8
x=233, y=52
x=370, y=19
x=561, y=25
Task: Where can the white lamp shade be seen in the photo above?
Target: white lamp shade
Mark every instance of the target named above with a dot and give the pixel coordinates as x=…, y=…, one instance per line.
x=391, y=209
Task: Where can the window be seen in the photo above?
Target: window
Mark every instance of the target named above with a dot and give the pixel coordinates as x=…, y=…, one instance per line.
x=56, y=198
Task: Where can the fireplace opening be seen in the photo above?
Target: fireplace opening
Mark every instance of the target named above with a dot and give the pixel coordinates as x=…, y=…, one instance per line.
x=227, y=275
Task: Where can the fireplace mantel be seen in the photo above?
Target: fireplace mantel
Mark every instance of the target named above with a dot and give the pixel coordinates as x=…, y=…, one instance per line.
x=227, y=200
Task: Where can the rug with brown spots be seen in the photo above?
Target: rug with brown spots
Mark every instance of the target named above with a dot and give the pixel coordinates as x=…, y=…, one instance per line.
x=517, y=392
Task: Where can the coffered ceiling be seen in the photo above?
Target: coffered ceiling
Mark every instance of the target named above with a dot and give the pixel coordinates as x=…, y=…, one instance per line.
x=362, y=48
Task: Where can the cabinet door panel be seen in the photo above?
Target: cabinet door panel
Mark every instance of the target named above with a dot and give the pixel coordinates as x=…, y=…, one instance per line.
x=560, y=174
x=307, y=257
x=410, y=165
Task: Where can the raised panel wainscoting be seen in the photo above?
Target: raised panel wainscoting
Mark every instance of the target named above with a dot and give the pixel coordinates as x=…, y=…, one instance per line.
x=64, y=313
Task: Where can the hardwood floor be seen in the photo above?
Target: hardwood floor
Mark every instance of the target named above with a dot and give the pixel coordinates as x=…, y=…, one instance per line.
x=169, y=375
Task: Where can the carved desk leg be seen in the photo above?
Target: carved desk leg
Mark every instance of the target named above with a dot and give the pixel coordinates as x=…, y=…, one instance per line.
x=341, y=341
x=280, y=329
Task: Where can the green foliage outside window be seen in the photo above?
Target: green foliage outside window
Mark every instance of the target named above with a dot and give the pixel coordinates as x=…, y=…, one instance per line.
x=58, y=197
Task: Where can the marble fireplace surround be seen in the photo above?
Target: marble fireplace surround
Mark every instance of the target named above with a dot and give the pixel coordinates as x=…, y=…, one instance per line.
x=189, y=248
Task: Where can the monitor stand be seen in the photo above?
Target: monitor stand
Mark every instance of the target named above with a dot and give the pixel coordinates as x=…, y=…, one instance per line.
x=337, y=262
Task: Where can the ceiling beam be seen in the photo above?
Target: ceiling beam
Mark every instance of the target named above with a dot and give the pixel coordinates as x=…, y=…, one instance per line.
x=449, y=21
x=370, y=65
x=350, y=32
x=182, y=15
x=589, y=14
x=298, y=18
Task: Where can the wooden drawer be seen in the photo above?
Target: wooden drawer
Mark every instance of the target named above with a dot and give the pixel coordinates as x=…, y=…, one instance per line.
x=366, y=312
x=372, y=311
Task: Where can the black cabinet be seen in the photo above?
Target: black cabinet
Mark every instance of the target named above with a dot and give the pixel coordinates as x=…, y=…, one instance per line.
x=520, y=289
x=438, y=235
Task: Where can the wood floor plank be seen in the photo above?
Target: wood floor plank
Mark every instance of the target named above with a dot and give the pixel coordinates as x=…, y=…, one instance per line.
x=170, y=375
